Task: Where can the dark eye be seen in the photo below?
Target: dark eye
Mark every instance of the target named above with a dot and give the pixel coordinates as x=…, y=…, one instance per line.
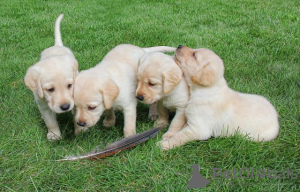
x=51, y=90
x=91, y=108
x=69, y=86
x=151, y=84
x=194, y=54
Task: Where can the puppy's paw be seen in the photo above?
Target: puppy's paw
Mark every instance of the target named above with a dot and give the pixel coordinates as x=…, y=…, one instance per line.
x=168, y=135
x=51, y=136
x=161, y=123
x=152, y=117
x=164, y=144
x=109, y=122
x=129, y=133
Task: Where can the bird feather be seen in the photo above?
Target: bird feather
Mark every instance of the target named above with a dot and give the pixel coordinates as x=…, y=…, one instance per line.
x=117, y=146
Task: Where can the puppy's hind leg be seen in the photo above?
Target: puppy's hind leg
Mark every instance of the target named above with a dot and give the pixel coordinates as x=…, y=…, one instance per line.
x=50, y=119
x=110, y=118
x=129, y=120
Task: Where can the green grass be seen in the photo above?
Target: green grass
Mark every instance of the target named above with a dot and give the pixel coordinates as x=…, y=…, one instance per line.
x=258, y=41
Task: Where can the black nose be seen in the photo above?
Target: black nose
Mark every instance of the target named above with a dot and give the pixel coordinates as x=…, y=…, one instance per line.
x=65, y=107
x=140, y=97
x=179, y=46
x=82, y=124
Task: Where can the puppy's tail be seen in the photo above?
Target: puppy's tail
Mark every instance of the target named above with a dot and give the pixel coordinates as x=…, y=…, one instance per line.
x=58, y=41
x=160, y=49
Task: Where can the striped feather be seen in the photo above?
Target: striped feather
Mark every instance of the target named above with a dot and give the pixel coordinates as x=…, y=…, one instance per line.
x=117, y=146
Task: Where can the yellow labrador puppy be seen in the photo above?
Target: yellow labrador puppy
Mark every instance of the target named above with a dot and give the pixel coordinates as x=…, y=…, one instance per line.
x=110, y=85
x=216, y=110
x=161, y=80
x=51, y=81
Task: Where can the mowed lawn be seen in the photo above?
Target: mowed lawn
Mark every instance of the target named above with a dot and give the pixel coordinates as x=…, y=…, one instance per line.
x=257, y=40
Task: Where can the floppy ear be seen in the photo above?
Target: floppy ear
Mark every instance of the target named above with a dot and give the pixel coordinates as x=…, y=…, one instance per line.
x=138, y=66
x=170, y=79
x=110, y=92
x=205, y=76
x=75, y=68
x=32, y=81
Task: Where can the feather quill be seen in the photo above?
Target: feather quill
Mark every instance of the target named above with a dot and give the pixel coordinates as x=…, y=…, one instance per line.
x=117, y=146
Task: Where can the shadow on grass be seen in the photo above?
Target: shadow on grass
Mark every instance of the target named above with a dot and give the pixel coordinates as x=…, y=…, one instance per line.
x=66, y=124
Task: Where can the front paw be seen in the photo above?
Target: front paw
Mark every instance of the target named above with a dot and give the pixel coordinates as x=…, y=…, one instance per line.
x=129, y=133
x=109, y=122
x=168, y=135
x=164, y=144
x=161, y=123
x=152, y=117
x=51, y=136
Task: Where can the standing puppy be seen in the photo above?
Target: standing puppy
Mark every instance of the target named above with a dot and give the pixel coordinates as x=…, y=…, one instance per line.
x=161, y=81
x=216, y=110
x=110, y=84
x=51, y=81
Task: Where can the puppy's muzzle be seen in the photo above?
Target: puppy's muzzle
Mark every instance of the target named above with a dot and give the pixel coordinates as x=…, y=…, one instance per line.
x=80, y=123
x=65, y=107
x=140, y=97
x=179, y=46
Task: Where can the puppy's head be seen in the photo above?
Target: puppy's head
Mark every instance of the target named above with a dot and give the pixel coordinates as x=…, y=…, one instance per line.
x=200, y=66
x=53, y=79
x=158, y=75
x=93, y=93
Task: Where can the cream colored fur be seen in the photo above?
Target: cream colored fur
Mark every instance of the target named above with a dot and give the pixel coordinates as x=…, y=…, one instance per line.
x=161, y=81
x=216, y=110
x=110, y=85
x=51, y=80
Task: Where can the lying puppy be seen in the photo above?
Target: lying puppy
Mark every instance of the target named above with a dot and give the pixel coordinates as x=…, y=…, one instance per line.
x=216, y=110
x=161, y=81
x=51, y=80
x=110, y=84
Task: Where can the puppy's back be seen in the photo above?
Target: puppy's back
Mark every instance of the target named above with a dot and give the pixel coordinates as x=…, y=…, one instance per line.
x=56, y=51
x=125, y=54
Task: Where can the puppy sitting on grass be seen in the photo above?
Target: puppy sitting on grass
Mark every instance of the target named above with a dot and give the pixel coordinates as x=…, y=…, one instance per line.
x=110, y=85
x=51, y=81
x=216, y=110
x=161, y=80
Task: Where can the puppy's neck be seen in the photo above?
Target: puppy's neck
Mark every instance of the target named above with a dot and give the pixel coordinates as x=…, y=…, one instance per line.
x=211, y=91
